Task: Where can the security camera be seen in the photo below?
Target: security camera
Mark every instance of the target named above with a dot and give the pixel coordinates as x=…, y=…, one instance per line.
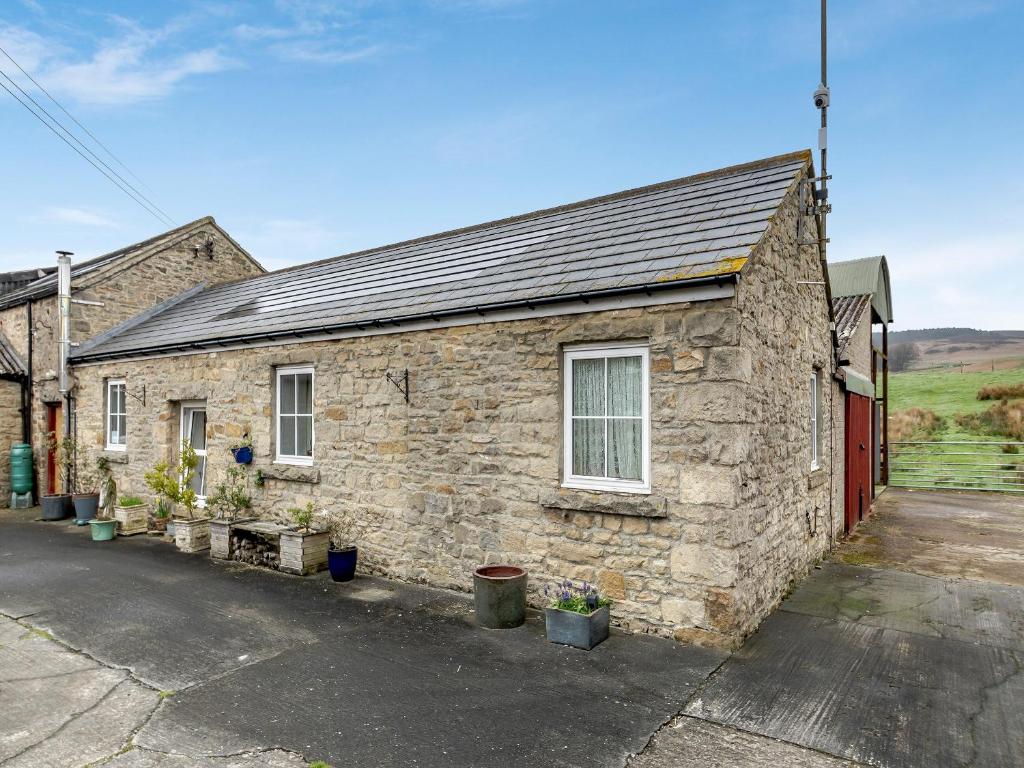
x=821, y=97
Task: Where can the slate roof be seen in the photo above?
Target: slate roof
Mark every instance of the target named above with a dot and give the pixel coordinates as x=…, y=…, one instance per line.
x=848, y=311
x=11, y=365
x=694, y=229
x=47, y=285
x=12, y=281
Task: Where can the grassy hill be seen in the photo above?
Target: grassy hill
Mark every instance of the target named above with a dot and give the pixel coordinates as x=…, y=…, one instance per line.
x=943, y=405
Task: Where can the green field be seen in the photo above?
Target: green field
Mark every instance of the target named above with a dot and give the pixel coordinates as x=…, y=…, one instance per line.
x=949, y=393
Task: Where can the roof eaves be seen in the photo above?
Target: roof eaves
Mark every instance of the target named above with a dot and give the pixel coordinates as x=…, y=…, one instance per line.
x=82, y=354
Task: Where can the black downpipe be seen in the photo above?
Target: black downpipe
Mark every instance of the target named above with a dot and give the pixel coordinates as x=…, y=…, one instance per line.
x=29, y=384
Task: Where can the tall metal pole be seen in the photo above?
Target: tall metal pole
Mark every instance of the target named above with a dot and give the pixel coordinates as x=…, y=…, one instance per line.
x=823, y=131
x=64, y=346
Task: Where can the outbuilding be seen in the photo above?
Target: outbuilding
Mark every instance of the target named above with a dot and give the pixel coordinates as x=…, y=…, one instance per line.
x=631, y=390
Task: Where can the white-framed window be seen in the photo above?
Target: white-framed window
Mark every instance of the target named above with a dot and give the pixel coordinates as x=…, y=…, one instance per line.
x=193, y=429
x=815, y=416
x=117, y=416
x=294, y=415
x=606, y=406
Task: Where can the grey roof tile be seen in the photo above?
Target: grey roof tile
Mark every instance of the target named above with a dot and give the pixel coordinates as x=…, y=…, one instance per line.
x=671, y=232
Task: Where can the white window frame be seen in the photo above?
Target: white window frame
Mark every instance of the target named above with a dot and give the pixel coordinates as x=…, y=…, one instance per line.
x=584, y=482
x=815, y=418
x=189, y=407
x=279, y=458
x=111, y=384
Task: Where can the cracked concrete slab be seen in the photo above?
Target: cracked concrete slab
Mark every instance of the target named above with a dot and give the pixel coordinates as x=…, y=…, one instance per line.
x=141, y=758
x=876, y=696
x=368, y=673
x=957, y=609
x=690, y=743
x=60, y=708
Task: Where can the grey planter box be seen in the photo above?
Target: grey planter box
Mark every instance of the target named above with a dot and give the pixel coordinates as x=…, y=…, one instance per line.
x=577, y=629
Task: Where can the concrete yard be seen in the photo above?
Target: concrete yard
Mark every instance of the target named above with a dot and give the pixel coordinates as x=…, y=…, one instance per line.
x=132, y=655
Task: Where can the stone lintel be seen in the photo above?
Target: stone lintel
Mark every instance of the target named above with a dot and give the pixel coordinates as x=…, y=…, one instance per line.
x=606, y=503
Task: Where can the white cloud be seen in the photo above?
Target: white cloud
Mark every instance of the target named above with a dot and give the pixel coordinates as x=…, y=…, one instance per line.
x=79, y=216
x=129, y=67
x=315, y=52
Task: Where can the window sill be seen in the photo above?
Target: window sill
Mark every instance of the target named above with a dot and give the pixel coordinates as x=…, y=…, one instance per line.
x=295, y=473
x=607, y=503
x=119, y=456
x=816, y=479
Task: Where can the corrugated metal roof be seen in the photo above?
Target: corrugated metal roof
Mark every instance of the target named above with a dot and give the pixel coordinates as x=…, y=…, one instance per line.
x=11, y=365
x=863, y=277
x=848, y=311
x=47, y=286
x=667, y=234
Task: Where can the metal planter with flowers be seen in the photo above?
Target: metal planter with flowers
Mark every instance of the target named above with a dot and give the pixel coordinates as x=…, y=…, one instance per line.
x=577, y=615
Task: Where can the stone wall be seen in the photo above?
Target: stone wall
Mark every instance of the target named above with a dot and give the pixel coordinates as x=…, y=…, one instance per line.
x=145, y=284
x=469, y=471
x=788, y=514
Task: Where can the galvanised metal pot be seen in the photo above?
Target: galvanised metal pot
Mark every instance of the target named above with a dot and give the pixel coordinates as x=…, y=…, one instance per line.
x=499, y=594
x=580, y=630
x=57, y=506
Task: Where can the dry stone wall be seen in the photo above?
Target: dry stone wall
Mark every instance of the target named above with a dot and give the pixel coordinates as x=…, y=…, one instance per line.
x=788, y=514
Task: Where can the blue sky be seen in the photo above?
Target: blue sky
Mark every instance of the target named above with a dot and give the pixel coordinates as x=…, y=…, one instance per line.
x=311, y=128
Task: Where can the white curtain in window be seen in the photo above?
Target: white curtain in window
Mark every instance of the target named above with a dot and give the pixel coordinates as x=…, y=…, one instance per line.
x=625, y=388
x=588, y=410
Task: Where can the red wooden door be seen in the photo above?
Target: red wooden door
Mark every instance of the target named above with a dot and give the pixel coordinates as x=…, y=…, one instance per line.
x=858, y=458
x=54, y=425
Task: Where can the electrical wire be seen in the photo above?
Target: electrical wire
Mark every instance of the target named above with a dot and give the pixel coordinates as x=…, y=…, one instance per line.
x=89, y=133
x=123, y=185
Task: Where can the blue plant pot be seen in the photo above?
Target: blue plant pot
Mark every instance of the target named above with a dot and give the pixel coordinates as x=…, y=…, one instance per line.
x=243, y=454
x=342, y=563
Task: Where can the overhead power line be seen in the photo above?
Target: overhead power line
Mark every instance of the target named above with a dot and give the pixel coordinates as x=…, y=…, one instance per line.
x=60, y=106
x=159, y=215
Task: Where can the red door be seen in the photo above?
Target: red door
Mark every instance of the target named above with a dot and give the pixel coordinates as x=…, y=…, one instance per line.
x=858, y=458
x=54, y=426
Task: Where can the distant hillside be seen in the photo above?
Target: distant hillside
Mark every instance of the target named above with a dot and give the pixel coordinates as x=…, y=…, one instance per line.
x=964, y=348
x=954, y=334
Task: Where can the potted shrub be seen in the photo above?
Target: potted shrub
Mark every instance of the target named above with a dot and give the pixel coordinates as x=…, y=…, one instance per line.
x=86, y=484
x=230, y=503
x=131, y=512
x=57, y=506
x=577, y=615
x=303, y=550
x=174, y=486
x=158, y=519
x=242, y=450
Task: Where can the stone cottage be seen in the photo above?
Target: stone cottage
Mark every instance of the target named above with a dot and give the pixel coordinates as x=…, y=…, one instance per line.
x=628, y=390
x=117, y=286
x=862, y=301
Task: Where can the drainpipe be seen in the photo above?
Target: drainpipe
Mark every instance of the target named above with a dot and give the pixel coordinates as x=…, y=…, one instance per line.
x=30, y=384
x=64, y=343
